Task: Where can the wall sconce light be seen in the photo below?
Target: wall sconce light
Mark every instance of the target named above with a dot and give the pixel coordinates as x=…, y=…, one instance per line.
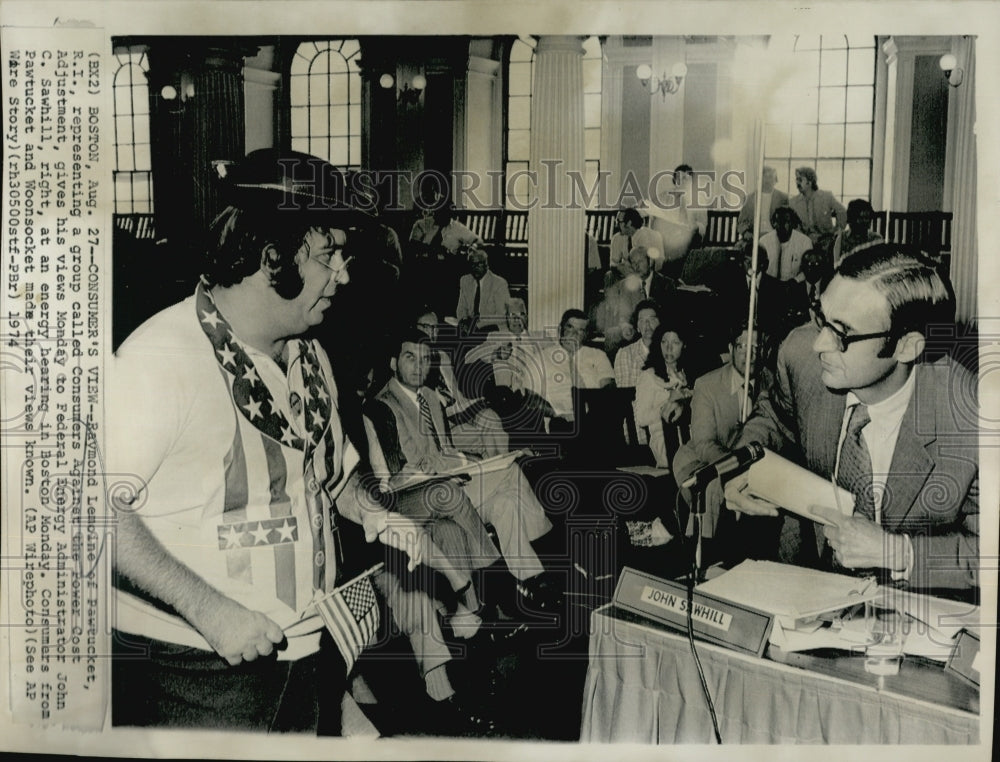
x=181, y=94
x=662, y=84
x=411, y=91
x=952, y=73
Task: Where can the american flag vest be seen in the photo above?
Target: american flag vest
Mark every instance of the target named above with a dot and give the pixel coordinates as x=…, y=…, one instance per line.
x=257, y=514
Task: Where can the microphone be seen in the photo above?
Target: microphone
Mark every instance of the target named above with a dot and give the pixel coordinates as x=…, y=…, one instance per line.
x=736, y=460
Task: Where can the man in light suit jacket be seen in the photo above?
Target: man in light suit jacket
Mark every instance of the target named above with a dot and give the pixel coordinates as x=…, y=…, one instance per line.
x=503, y=497
x=488, y=312
x=913, y=468
x=770, y=198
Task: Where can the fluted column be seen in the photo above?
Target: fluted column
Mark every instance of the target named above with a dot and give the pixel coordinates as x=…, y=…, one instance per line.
x=964, y=247
x=555, y=225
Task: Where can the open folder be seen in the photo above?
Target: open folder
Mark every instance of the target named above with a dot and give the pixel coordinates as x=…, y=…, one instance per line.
x=788, y=485
x=469, y=468
x=787, y=591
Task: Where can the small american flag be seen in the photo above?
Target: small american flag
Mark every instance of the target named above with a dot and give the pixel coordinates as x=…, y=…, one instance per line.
x=351, y=614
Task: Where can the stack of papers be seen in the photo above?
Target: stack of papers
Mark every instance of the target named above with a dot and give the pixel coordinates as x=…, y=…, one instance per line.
x=789, y=592
x=796, y=489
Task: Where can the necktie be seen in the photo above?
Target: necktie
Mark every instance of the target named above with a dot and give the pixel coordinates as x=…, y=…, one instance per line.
x=426, y=422
x=475, y=302
x=629, y=247
x=855, y=471
x=645, y=293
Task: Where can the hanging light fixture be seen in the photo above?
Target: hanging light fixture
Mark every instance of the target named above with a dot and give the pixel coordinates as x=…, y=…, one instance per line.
x=411, y=91
x=952, y=72
x=662, y=84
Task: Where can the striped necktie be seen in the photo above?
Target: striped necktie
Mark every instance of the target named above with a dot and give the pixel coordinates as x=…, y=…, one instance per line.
x=855, y=471
x=426, y=421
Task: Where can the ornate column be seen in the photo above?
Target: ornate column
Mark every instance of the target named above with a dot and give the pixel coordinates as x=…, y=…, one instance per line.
x=555, y=224
x=962, y=177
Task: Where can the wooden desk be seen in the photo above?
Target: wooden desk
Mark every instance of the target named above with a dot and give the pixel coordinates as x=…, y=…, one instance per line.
x=642, y=687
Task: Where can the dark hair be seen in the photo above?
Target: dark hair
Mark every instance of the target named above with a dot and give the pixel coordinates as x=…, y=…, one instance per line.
x=858, y=205
x=669, y=324
x=645, y=304
x=686, y=168
x=918, y=295
x=809, y=174
x=572, y=314
x=786, y=213
x=408, y=335
x=763, y=260
x=632, y=216
x=239, y=238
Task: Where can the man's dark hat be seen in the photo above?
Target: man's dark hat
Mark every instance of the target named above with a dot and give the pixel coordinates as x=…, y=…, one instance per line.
x=273, y=179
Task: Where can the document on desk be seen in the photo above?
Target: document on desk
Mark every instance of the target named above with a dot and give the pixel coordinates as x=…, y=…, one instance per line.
x=796, y=489
x=787, y=591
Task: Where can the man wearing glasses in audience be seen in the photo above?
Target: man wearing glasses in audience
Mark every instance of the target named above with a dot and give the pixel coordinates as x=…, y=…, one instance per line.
x=858, y=400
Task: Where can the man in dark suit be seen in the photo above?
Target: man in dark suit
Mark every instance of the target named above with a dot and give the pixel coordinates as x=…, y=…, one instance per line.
x=853, y=398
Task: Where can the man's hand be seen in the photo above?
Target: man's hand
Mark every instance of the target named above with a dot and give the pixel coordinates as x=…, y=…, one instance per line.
x=403, y=533
x=859, y=543
x=739, y=499
x=235, y=632
x=671, y=411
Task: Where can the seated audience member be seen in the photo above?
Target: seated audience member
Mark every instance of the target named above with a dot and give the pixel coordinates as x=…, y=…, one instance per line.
x=425, y=232
x=820, y=214
x=515, y=375
x=632, y=233
x=716, y=418
x=503, y=498
x=663, y=391
x=474, y=427
x=858, y=403
x=569, y=363
x=482, y=295
x=785, y=245
x=858, y=234
x=816, y=273
x=613, y=315
x=773, y=301
x=770, y=200
x=631, y=359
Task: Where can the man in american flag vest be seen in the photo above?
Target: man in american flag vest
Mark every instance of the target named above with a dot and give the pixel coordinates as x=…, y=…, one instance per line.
x=225, y=430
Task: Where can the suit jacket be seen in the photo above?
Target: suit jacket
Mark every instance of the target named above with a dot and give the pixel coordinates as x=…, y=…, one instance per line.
x=817, y=214
x=416, y=445
x=744, y=222
x=932, y=490
x=493, y=297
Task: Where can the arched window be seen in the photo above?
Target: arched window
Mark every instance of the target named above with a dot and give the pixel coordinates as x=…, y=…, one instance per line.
x=519, y=78
x=829, y=126
x=325, y=99
x=132, y=176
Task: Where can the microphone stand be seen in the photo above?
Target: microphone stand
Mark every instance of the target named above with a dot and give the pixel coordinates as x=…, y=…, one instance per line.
x=697, y=514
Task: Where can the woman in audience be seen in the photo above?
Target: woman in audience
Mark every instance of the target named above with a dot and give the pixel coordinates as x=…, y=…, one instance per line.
x=663, y=391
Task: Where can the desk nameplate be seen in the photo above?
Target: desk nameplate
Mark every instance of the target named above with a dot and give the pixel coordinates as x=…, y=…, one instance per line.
x=966, y=658
x=715, y=620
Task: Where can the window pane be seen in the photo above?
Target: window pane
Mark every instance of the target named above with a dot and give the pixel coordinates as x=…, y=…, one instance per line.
x=519, y=145
x=142, y=157
x=592, y=110
x=831, y=140
x=140, y=190
x=338, y=120
x=807, y=108
x=123, y=100
x=861, y=67
x=521, y=51
x=298, y=92
x=828, y=173
x=592, y=76
x=804, y=140
x=300, y=64
x=857, y=179
x=318, y=120
x=350, y=48
x=777, y=141
x=861, y=41
x=123, y=129
x=300, y=144
x=338, y=152
x=125, y=162
x=807, y=42
x=859, y=140
x=354, y=87
x=354, y=114
x=355, y=148
x=833, y=69
x=123, y=194
x=140, y=99
x=319, y=90
x=831, y=104
x=300, y=124
x=519, y=114
x=860, y=104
